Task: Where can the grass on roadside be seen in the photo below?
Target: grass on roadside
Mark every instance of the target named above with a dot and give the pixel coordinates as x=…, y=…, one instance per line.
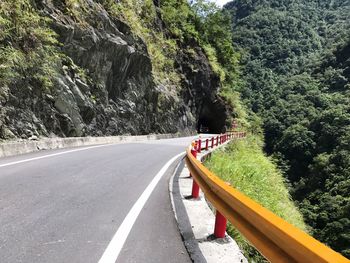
x=243, y=164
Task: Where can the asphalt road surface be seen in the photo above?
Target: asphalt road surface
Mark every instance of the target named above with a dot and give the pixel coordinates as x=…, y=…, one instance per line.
x=67, y=205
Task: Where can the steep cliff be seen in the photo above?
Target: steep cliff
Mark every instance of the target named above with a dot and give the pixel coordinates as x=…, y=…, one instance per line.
x=96, y=77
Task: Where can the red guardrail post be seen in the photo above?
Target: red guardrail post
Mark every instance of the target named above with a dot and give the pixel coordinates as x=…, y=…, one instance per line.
x=195, y=189
x=195, y=186
x=193, y=152
x=199, y=145
x=206, y=144
x=217, y=140
x=220, y=225
x=212, y=142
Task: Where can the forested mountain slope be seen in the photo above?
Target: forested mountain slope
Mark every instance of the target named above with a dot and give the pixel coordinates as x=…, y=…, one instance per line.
x=296, y=76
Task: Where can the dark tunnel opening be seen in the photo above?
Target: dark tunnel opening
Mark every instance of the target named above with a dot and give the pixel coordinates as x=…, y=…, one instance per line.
x=212, y=117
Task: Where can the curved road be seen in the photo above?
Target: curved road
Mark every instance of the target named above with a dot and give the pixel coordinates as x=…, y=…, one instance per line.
x=67, y=205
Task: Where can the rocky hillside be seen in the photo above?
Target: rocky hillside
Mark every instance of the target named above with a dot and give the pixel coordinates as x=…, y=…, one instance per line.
x=78, y=68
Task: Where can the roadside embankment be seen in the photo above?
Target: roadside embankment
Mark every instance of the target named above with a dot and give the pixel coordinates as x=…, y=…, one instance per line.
x=243, y=164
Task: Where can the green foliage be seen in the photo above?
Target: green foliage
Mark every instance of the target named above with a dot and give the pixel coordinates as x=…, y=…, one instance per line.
x=244, y=165
x=28, y=54
x=214, y=63
x=205, y=23
x=214, y=27
x=178, y=16
x=296, y=77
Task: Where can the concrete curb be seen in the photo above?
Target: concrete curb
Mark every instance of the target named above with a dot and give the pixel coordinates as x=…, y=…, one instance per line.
x=196, y=223
x=27, y=146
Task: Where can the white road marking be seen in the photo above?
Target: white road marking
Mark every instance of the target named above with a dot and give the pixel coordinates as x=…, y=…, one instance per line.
x=52, y=155
x=116, y=244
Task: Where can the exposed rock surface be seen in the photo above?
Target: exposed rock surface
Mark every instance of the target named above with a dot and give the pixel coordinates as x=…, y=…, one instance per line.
x=118, y=95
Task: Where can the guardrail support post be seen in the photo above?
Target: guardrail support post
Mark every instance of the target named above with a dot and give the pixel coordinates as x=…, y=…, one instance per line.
x=217, y=140
x=193, y=152
x=212, y=142
x=195, y=189
x=206, y=144
x=199, y=145
x=220, y=225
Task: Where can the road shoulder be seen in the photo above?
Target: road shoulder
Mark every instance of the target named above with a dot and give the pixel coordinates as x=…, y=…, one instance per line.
x=196, y=223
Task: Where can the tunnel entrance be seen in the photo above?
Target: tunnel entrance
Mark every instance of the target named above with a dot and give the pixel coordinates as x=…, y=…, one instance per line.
x=212, y=117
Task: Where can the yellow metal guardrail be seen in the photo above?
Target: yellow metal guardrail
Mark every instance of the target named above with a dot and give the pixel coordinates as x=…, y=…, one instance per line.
x=276, y=239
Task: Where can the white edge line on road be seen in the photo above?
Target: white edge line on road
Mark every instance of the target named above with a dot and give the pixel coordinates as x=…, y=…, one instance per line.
x=171, y=189
x=116, y=244
x=54, y=154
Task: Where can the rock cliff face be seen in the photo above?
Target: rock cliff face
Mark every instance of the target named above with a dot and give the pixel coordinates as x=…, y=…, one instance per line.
x=117, y=93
